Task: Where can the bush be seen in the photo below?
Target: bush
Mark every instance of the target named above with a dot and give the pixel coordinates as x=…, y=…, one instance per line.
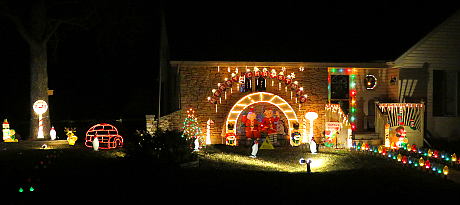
x=167, y=147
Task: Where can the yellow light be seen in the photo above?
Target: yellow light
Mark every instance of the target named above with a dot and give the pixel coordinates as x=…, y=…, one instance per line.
x=399, y=157
x=445, y=170
x=421, y=162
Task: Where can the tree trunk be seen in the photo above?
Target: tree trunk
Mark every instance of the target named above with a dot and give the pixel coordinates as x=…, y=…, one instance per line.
x=39, y=87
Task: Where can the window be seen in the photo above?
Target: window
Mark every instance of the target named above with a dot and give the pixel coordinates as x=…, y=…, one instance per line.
x=340, y=92
x=446, y=92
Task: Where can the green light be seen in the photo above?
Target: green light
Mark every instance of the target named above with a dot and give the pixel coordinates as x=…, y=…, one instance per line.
x=352, y=84
x=21, y=190
x=352, y=118
x=31, y=189
x=353, y=76
x=353, y=110
x=333, y=70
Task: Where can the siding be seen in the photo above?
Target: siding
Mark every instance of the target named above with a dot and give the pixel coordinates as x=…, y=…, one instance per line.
x=439, y=50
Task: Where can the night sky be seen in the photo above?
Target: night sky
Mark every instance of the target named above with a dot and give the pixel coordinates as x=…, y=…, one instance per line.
x=106, y=68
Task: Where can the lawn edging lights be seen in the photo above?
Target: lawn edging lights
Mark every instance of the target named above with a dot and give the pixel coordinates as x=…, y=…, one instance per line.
x=430, y=160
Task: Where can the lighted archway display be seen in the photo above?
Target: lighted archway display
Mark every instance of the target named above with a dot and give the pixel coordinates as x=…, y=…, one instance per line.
x=260, y=97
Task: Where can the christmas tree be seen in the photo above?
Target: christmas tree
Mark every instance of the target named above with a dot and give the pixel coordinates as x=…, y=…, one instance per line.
x=191, y=128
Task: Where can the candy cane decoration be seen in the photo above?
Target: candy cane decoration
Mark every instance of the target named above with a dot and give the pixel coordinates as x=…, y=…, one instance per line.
x=40, y=107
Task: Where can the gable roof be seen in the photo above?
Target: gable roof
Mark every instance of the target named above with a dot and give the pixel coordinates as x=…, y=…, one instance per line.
x=440, y=46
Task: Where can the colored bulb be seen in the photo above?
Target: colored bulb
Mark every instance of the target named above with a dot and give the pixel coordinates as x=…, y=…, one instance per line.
x=21, y=190
x=333, y=70
x=31, y=189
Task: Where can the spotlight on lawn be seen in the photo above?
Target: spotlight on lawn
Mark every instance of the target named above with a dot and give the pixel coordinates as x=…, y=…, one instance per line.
x=306, y=161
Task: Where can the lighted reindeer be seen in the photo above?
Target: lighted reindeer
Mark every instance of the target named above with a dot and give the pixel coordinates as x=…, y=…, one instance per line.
x=71, y=137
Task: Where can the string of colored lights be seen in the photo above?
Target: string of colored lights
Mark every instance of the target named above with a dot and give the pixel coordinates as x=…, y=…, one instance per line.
x=411, y=156
x=351, y=72
x=238, y=79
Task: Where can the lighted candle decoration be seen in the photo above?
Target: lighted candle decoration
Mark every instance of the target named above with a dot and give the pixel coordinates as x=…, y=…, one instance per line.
x=40, y=107
x=208, y=131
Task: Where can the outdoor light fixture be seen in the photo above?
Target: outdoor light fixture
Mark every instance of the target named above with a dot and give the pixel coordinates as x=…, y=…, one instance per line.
x=40, y=107
x=306, y=161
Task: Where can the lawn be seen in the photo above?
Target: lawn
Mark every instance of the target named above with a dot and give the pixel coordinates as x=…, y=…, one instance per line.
x=79, y=174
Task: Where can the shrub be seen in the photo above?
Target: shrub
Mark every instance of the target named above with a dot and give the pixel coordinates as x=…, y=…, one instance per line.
x=163, y=146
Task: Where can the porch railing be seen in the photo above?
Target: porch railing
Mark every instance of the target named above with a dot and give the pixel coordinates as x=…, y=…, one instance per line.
x=334, y=113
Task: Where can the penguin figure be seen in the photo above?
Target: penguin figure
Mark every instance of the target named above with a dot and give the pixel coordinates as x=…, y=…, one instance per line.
x=255, y=148
x=53, y=133
x=95, y=144
x=313, y=146
x=197, y=144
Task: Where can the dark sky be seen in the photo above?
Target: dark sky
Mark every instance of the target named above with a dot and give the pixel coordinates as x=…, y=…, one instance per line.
x=107, y=68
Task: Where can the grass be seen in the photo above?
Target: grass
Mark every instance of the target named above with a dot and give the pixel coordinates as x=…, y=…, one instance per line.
x=225, y=174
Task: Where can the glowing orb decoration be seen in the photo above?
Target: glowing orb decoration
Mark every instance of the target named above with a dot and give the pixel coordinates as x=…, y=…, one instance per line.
x=40, y=107
x=106, y=134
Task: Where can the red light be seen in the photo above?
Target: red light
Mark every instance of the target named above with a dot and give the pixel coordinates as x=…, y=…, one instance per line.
x=349, y=70
x=107, y=135
x=353, y=92
x=353, y=126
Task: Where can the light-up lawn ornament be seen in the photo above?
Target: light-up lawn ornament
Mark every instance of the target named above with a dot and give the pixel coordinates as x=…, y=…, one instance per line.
x=8, y=134
x=106, y=134
x=40, y=108
x=255, y=149
x=53, y=133
x=71, y=138
x=311, y=116
x=95, y=144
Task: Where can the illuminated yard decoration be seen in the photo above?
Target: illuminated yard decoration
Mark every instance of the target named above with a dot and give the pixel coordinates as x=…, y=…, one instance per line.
x=106, y=134
x=407, y=120
x=40, y=107
x=260, y=97
x=310, y=116
x=8, y=134
x=53, y=133
x=71, y=138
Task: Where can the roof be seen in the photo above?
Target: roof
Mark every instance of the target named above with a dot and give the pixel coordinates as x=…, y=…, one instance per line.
x=441, y=44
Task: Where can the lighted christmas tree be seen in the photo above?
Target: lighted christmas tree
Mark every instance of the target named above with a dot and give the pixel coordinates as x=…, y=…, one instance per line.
x=191, y=128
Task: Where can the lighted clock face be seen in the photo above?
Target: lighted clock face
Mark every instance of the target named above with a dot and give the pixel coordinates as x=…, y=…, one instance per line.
x=370, y=82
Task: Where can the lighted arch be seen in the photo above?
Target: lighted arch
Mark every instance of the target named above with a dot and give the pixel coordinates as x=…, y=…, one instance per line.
x=259, y=97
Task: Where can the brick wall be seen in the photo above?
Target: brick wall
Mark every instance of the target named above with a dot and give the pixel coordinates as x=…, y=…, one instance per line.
x=197, y=79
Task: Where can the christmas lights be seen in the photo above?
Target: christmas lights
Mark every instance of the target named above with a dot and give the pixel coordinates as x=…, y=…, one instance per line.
x=40, y=107
x=106, y=134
